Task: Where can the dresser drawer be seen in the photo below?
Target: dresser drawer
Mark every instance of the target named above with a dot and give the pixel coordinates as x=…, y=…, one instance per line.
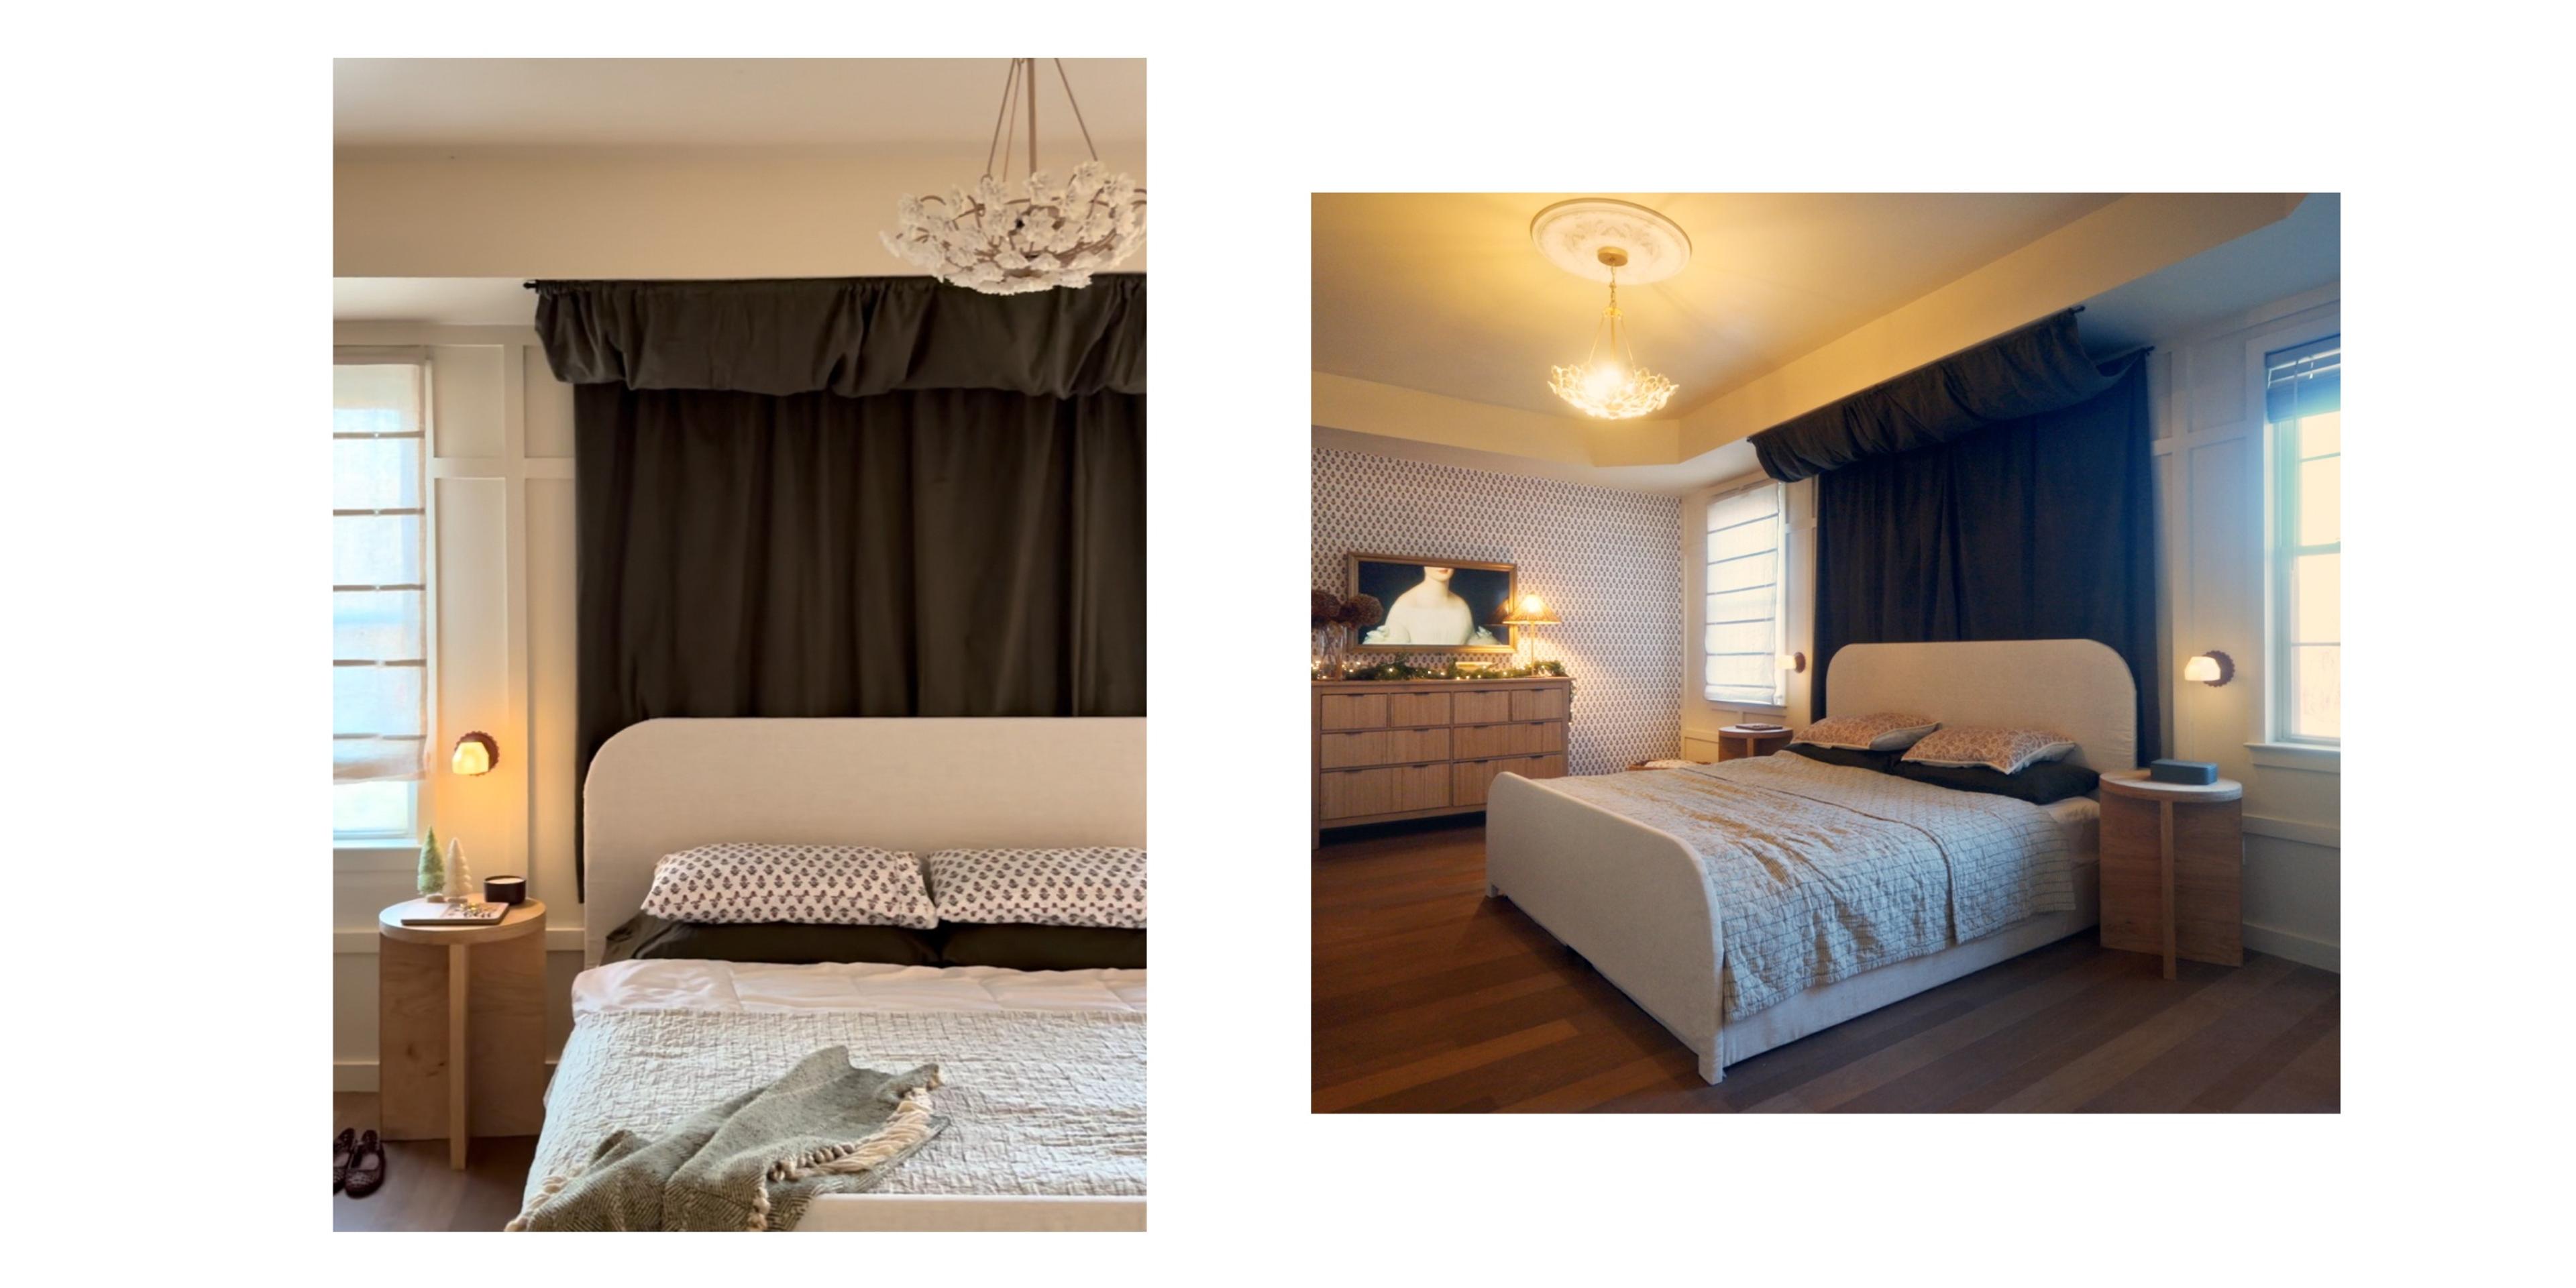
x=1471, y=780
x=1538, y=704
x=1351, y=711
x=1476, y=742
x=1382, y=747
x=1417, y=709
x=1481, y=706
x=1355, y=793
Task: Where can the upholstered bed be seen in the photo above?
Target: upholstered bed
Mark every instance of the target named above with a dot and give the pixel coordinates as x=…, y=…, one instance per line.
x=1848, y=889
x=1044, y=1071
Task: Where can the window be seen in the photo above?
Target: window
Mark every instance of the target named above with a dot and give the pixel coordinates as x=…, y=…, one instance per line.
x=2303, y=401
x=379, y=597
x=1747, y=603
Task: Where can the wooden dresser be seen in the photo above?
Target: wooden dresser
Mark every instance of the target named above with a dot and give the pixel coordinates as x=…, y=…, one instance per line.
x=1386, y=750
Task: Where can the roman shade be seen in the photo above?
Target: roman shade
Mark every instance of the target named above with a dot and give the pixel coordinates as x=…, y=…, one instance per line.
x=2305, y=381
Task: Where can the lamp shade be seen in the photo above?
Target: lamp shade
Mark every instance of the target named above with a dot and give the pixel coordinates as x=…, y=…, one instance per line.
x=476, y=753
x=2211, y=668
x=1530, y=610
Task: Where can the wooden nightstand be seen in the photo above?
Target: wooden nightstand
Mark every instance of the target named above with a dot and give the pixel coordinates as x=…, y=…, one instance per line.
x=1735, y=742
x=2173, y=860
x=438, y=1072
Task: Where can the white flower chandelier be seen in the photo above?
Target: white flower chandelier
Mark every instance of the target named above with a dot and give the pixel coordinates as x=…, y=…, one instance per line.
x=1049, y=235
x=1612, y=388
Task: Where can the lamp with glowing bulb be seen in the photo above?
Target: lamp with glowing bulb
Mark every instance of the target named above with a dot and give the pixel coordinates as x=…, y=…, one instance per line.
x=1602, y=240
x=476, y=753
x=1528, y=613
x=2212, y=668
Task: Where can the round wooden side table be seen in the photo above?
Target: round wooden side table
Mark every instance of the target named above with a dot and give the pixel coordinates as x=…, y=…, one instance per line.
x=1735, y=742
x=438, y=1075
x=2173, y=857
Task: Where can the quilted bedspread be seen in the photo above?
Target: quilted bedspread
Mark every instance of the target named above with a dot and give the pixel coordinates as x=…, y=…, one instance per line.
x=1038, y=1102
x=1820, y=872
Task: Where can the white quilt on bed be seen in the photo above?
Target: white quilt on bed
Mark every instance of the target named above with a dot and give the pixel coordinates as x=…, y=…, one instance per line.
x=1044, y=1071
x=1821, y=872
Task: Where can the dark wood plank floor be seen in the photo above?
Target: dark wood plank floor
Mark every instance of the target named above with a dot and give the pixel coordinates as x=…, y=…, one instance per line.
x=1430, y=997
x=420, y=1191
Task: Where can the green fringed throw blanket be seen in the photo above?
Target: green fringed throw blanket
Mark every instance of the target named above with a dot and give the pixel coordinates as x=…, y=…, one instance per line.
x=751, y=1162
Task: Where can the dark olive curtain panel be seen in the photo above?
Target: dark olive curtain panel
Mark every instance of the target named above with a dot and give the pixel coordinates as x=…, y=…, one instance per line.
x=872, y=497
x=2037, y=527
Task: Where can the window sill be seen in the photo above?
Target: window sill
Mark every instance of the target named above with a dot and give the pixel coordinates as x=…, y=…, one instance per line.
x=1753, y=708
x=2297, y=755
x=375, y=856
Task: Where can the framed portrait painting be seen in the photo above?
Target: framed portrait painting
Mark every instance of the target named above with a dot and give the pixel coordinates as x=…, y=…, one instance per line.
x=1436, y=605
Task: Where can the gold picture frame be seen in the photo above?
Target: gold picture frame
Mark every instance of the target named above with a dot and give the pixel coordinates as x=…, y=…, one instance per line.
x=1378, y=575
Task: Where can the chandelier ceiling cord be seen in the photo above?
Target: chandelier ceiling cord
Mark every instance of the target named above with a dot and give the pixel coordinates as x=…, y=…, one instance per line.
x=1617, y=389
x=1053, y=235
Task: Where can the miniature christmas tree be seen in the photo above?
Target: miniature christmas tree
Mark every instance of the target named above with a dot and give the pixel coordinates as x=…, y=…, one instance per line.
x=432, y=878
x=460, y=879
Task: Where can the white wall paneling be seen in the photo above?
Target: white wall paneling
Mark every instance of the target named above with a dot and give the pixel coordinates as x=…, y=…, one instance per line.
x=501, y=533
x=2205, y=394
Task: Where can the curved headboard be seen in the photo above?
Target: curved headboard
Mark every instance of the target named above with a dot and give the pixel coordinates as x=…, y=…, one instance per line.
x=900, y=784
x=2078, y=687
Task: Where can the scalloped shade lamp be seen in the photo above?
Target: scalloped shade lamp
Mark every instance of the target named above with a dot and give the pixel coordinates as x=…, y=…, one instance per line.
x=1527, y=612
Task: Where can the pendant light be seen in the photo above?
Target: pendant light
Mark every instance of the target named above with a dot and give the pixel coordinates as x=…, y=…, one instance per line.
x=1599, y=238
x=1052, y=234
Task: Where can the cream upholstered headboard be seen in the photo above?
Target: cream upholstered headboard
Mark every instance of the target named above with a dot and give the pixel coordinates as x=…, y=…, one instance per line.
x=918, y=785
x=2078, y=687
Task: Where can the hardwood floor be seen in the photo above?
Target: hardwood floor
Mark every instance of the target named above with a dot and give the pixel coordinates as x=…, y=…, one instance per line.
x=420, y=1191
x=1429, y=997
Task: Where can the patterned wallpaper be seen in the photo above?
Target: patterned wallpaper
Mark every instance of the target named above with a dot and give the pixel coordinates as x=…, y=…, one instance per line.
x=1608, y=562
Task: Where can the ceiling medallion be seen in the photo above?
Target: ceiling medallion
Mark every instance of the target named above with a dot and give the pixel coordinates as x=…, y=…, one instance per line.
x=1600, y=239
x=1049, y=236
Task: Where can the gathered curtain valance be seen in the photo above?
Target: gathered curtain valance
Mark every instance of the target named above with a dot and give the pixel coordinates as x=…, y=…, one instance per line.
x=2038, y=369
x=853, y=336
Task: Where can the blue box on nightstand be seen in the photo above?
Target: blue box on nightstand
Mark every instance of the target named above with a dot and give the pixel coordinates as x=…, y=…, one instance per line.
x=2198, y=773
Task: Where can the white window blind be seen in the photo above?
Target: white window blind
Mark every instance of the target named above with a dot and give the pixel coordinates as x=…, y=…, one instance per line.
x=379, y=583
x=2303, y=399
x=1747, y=607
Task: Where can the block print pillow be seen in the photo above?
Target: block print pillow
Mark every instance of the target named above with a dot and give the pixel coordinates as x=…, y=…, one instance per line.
x=827, y=885
x=2007, y=751
x=1098, y=886
x=1886, y=731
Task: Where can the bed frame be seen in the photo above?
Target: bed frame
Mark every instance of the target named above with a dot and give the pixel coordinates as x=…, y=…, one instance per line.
x=919, y=785
x=1631, y=899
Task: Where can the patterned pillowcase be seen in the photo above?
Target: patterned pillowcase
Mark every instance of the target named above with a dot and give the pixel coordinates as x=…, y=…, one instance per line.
x=1886, y=731
x=1098, y=886
x=824, y=885
x=2005, y=750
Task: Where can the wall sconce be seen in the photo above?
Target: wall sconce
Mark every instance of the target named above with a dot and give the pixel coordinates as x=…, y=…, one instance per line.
x=2212, y=668
x=476, y=753
x=1795, y=662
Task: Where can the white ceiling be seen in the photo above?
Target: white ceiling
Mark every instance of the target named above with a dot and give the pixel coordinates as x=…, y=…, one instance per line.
x=1444, y=293
x=723, y=102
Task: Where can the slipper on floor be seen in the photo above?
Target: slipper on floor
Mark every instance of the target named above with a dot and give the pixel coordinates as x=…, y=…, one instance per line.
x=343, y=1148
x=366, y=1167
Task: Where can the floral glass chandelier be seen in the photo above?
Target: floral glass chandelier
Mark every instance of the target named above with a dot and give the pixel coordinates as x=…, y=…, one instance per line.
x=1047, y=235
x=1612, y=387
x=1597, y=237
